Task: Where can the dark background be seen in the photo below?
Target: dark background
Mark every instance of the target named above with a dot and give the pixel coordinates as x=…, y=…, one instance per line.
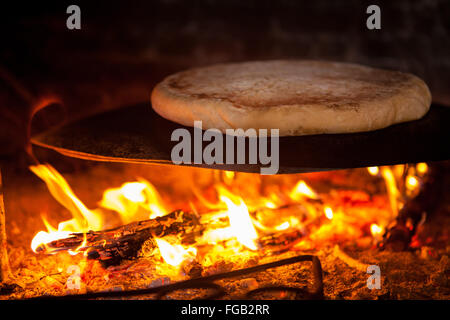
x=125, y=47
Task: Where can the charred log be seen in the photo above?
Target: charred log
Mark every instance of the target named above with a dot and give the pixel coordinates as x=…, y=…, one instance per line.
x=112, y=246
x=398, y=237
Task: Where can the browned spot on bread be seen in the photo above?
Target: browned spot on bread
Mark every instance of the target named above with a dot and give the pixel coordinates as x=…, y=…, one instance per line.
x=277, y=83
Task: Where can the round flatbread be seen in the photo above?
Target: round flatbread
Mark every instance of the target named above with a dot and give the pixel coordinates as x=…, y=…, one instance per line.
x=296, y=97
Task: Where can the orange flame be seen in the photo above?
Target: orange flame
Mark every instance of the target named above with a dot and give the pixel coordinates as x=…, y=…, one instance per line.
x=229, y=226
x=302, y=190
x=411, y=182
x=373, y=170
x=132, y=201
x=328, y=213
x=376, y=230
x=84, y=219
x=241, y=226
x=391, y=186
x=422, y=168
x=175, y=255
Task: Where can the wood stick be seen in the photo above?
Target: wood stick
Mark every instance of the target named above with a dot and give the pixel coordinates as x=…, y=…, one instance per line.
x=111, y=246
x=5, y=271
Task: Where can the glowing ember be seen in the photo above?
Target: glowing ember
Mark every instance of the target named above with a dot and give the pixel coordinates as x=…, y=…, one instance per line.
x=283, y=226
x=422, y=168
x=376, y=230
x=270, y=204
x=81, y=246
x=411, y=182
x=229, y=174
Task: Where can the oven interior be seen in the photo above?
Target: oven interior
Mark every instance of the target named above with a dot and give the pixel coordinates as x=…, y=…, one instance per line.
x=78, y=227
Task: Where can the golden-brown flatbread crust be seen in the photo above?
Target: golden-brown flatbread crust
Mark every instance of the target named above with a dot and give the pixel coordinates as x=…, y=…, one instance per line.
x=298, y=97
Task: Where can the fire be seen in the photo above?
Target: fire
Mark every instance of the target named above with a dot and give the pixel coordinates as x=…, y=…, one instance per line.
x=81, y=246
x=270, y=204
x=391, y=186
x=376, y=230
x=302, y=190
x=240, y=223
x=422, y=168
x=229, y=175
x=134, y=191
x=132, y=201
x=328, y=213
x=42, y=238
x=373, y=170
x=175, y=255
x=84, y=219
x=411, y=182
x=285, y=225
x=239, y=220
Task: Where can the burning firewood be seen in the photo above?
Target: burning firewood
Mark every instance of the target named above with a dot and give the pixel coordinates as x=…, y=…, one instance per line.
x=272, y=224
x=112, y=246
x=398, y=236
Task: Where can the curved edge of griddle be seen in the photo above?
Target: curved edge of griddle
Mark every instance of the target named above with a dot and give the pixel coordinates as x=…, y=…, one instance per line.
x=239, y=168
x=140, y=129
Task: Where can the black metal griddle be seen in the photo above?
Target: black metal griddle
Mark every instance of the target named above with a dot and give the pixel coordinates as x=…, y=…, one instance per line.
x=139, y=135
